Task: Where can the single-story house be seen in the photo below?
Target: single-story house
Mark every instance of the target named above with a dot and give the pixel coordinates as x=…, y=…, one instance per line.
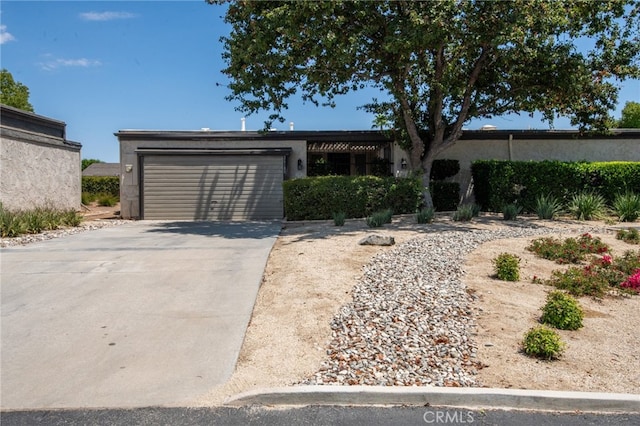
x=102, y=169
x=39, y=167
x=238, y=175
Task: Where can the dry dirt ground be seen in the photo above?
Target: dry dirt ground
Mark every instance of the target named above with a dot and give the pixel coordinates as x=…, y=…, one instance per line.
x=313, y=267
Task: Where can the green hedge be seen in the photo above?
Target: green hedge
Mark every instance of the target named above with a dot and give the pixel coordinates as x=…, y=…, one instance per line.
x=445, y=195
x=101, y=185
x=319, y=197
x=442, y=169
x=498, y=182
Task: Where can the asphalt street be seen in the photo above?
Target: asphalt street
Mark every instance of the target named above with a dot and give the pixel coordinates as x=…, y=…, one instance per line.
x=312, y=415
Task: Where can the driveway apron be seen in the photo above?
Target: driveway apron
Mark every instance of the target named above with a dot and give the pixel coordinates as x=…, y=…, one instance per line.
x=142, y=314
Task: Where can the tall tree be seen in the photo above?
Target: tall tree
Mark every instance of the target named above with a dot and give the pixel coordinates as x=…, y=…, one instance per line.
x=630, y=116
x=439, y=63
x=13, y=93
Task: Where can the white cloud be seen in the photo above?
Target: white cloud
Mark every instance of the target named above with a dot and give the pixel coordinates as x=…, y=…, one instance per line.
x=53, y=64
x=106, y=16
x=5, y=36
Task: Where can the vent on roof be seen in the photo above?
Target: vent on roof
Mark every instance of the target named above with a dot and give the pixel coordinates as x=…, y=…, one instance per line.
x=488, y=127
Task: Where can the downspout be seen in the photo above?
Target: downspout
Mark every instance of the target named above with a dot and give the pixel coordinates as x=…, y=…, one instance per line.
x=510, y=147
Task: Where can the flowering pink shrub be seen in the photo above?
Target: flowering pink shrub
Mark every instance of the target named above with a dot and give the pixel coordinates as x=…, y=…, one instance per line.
x=633, y=282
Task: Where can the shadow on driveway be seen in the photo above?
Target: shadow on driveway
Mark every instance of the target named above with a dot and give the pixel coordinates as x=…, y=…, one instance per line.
x=230, y=230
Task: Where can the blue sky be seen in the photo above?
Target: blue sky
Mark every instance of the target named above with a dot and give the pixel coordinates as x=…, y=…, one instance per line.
x=106, y=66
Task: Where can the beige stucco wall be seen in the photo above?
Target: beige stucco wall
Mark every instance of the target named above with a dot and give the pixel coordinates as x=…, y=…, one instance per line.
x=561, y=149
x=606, y=149
x=37, y=171
x=130, y=173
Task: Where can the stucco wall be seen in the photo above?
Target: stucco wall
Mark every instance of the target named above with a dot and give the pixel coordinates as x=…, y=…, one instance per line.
x=568, y=149
x=38, y=170
x=130, y=173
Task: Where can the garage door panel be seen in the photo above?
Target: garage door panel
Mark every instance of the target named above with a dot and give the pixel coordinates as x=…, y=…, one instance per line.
x=210, y=187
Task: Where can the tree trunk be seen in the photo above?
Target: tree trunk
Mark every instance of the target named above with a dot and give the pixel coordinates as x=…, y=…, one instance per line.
x=427, y=163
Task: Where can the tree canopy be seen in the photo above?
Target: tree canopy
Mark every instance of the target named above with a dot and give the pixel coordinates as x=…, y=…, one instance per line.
x=86, y=162
x=13, y=93
x=438, y=64
x=630, y=116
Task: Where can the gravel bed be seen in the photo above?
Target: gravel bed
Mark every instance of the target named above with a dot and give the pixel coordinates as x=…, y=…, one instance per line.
x=57, y=233
x=411, y=322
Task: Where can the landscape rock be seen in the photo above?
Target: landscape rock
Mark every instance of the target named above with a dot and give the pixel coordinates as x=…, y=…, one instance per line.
x=377, y=240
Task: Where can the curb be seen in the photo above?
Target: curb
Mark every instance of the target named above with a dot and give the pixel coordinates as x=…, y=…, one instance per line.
x=512, y=399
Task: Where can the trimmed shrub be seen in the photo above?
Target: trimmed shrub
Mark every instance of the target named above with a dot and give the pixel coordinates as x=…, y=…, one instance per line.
x=445, y=195
x=542, y=342
x=562, y=311
x=319, y=197
x=443, y=169
x=507, y=267
x=498, y=182
x=101, y=185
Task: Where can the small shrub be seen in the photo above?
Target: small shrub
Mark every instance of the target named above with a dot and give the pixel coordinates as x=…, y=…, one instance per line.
x=87, y=198
x=507, y=267
x=107, y=200
x=562, y=311
x=547, y=207
x=633, y=282
x=70, y=218
x=542, y=342
x=11, y=224
x=570, y=250
x=599, y=277
x=587, y=205
x=425, y=215
x=627, y=206
x=339, y=218
x=388, y=215
x=629, y=235
x=511, y=211
x=379, y=218
x=464, y=213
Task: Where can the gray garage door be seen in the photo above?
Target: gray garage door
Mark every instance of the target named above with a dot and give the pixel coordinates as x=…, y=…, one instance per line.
x=212, y=187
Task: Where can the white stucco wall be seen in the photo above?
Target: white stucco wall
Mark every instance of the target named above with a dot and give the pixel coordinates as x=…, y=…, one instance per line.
x=130, y=173
x=38, y=171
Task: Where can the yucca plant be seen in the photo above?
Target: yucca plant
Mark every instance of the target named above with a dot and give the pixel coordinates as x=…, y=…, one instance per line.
x=339, y=218
x=379, y=218
x=587, y=205
x=465, y=213
x=547, y=207
x=627, y=206
x=511, y=211
x=425, y=215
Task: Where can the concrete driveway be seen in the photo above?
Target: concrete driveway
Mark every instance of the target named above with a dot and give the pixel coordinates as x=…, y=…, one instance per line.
x=142, y=314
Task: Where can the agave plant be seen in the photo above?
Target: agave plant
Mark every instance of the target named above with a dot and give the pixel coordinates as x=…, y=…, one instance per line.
x=587, y=205
x=627, y=206
x=547, y=207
